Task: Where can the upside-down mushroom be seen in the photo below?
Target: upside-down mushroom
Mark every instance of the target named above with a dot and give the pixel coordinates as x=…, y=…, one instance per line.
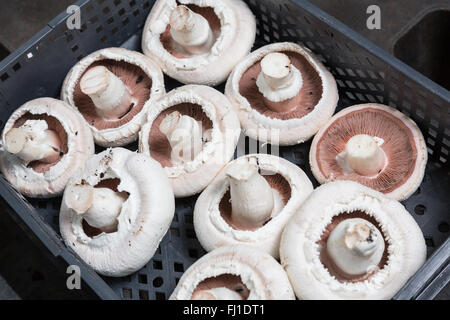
x=199, y=41
x=282, y=93
x=113, y=89
x=374, y=145
x=193, y=132
x=43, y=143
x=250, y=202
x=236, y=272
x=116, y=210
x=348, y=241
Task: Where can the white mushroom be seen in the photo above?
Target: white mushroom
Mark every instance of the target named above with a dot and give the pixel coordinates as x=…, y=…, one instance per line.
x=236, y=272
x=282, y=93
x=44, y=143
x=348, y=241
x=250, y=202
x=193, y=132
x=113, y=88
x=116, y=210
x=189, y=38
x=374, y=145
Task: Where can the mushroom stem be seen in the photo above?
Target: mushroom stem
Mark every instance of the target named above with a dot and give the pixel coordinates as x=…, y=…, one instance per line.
x=184, y=135
x=279, y=81
x=191, y=30
x=355, y=246
x=364, y=155
x=111, y=97
x=100, y=207
x=221, y=293
x=251, y=195
x=34, y=141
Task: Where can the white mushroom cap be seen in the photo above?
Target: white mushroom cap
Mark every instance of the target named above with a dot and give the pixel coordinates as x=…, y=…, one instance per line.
x=232, y=28
x=145, y=213
x=374, y=145
x=120, y=106
x=250, y=89
x=301, y=248
x=211, y=137
x=289, y=185
x=261, y=276
x=27, y=139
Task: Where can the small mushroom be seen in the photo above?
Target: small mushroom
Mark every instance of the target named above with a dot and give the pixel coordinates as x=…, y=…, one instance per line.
x=374, y=145
x=116, y=210
x=250, y=202
x=348, y=241
x=283, y=94
x=43, y=143
x=113, y=89
x=236, y=272
x=193, y=132
x=189, y=38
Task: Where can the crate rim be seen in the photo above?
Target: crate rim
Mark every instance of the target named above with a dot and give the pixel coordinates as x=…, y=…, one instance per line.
x=421, y=285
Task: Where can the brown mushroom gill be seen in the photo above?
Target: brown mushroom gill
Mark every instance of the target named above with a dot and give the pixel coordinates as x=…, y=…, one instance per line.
x=112, y=184
x=230, y=281
x=299, y=106
x=399, y=147
x=159, y=145
x=328, y=263
x=175, y=49
x=276, y=182
x=53, y=124
x=135, y=79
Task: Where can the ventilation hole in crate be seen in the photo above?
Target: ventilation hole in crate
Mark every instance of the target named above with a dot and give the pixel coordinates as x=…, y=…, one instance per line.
x=142, y=278
x=193, y=253
x=178, y=267
x=16, y=67
x=429, y=242
x=143, y=295
x=79, y=58
x=132, y=3
x=189, y=219
x=75, y=48
x=190, y=233
x=431, y=142
x=146, y=5
x=158, y=282
x=117, y=2
x=444, y=227
x=417, y=192
x=106, y=10
x=177, y=280
x=420, y=209
x=115, y=30
x=83, y=27
x=4, y=77
x=99, y=29
x=128, y=278
x=175, y=232
x=160, y=296
x=121, y=12
x=136, y=12
x=157, y=264
x=125, y=21
x=127, y=293
x=158, y=251
x=110, y=20
x=103, y=39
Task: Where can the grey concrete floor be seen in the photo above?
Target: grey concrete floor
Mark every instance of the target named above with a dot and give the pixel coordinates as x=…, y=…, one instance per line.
x=27, y=271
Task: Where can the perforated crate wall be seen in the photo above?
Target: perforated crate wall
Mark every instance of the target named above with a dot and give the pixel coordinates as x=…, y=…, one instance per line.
x=364, y=73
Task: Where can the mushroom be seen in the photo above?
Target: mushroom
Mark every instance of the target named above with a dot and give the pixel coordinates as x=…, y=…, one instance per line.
x=113, y=89
x=189, y=38
x=193, y=132
x=250, y=202
x=374, y=145
x=236, y=272
x=348, y=241
x=282, y=93
x=43, y=143
x=116, y=210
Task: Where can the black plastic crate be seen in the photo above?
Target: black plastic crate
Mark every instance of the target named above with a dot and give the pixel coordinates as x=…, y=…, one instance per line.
x=364, y=73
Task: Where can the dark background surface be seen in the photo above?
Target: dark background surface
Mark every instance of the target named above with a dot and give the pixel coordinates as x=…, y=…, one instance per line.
x=27, y=269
